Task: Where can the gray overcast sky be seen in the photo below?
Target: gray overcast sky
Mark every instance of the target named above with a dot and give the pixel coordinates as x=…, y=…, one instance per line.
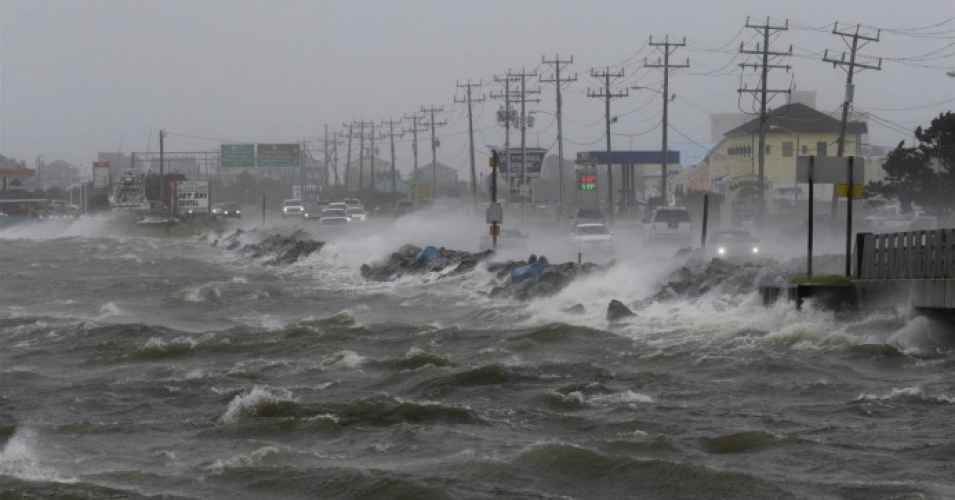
x=82, y=76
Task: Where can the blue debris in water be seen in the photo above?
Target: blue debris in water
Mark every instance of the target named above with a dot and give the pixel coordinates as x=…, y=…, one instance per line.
x=426, y=255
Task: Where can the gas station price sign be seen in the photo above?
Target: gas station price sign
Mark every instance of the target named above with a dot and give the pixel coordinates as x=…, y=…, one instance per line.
x=587, y=180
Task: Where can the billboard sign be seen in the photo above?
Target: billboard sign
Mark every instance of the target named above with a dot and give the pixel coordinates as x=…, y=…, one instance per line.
x=100, y=174
x=192, y=197
x=587, y=179
x=278, y=155
x=531, y=170
x=830, y=169
x=311, y=190
x=237, y=155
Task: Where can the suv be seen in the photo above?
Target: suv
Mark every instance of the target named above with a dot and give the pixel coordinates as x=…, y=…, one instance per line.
x=588, y=215
x=668, y=225
x=292, y=208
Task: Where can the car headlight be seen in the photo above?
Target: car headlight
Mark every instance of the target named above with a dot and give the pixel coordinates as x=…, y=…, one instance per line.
x=721, y=251
x=755, y=249
x=238, y=211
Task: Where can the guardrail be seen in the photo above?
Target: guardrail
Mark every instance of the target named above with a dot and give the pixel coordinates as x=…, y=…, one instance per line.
x=906, y=255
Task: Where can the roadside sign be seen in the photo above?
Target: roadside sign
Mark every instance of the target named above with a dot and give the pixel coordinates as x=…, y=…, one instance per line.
x=830, y=169
x=495, y=213
x=517, y=193
x=278, y=155
x=237, y=155
x=842, y=190
x=192, y=197
x=587, y=179
x=100, y=174
x=311, y=190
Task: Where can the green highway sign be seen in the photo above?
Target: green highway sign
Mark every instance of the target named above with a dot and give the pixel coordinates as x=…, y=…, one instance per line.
x=278, y=155
x=237, y=155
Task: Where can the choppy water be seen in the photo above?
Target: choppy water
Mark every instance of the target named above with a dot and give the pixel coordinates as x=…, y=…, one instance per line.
x=140, y=366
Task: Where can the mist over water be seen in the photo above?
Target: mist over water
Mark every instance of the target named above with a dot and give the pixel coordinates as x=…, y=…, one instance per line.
x=136, y=364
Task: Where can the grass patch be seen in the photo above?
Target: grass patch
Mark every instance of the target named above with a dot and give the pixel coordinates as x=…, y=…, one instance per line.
x=822, y=279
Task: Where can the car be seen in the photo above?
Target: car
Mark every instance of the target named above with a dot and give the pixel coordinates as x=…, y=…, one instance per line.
x=333, y=217
x=352, y=202
x=509, y=238
x=592, y=235
x=668, y=225
x=314, y=212
x=292, y=208
x=404, y=207
x=588, y=215
x=356, y=214
x=337, y=205
x=731, y=244
x=229, y=209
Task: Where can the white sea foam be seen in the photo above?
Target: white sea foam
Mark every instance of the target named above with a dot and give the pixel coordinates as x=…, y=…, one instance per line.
x=110, y=309
x=262, y=456
x=248, y=403
x=912, y=394
x=625, y=398
x=20, y=459
x=348, y=359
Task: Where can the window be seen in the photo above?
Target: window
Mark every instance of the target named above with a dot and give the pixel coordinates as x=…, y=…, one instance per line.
x=822, y=148
x=769, y=149
x=787, y=149
x=804, y=150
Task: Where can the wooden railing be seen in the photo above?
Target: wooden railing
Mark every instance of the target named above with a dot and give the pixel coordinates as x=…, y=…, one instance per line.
x=906, y=255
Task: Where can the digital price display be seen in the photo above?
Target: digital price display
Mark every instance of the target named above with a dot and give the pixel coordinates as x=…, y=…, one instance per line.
x=587, y=182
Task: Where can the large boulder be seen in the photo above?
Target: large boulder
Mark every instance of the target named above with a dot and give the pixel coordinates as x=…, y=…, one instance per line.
x=617, y=312
x=410, y=259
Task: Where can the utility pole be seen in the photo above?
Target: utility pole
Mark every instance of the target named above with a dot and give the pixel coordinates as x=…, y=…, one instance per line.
x=766, y=30
x=162, y=168
x=337, y=139
x=394, y=173
x=507, y=79
x=606, y=94
x=301, y=169
x=374, y=190
x=523, y=123
x=850, y=67
x=469, y=100
x=327, y=154
x=668, y=49
x=361, y=157
x=348, y=156
x=434, y=148
x=556, y=63
x=415, y=122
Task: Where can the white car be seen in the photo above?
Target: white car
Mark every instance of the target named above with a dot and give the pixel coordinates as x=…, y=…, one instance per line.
x=333, y=217
x=292, y=208
x=356, y=214
x=592, y=236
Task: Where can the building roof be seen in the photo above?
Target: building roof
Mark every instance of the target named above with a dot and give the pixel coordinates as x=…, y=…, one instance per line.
x=800, y=119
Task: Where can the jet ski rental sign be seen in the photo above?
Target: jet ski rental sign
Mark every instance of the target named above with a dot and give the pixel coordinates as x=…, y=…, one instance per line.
x=192, y=197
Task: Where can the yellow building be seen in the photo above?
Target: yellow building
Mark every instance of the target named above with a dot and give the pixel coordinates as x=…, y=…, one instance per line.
x=792, y=130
